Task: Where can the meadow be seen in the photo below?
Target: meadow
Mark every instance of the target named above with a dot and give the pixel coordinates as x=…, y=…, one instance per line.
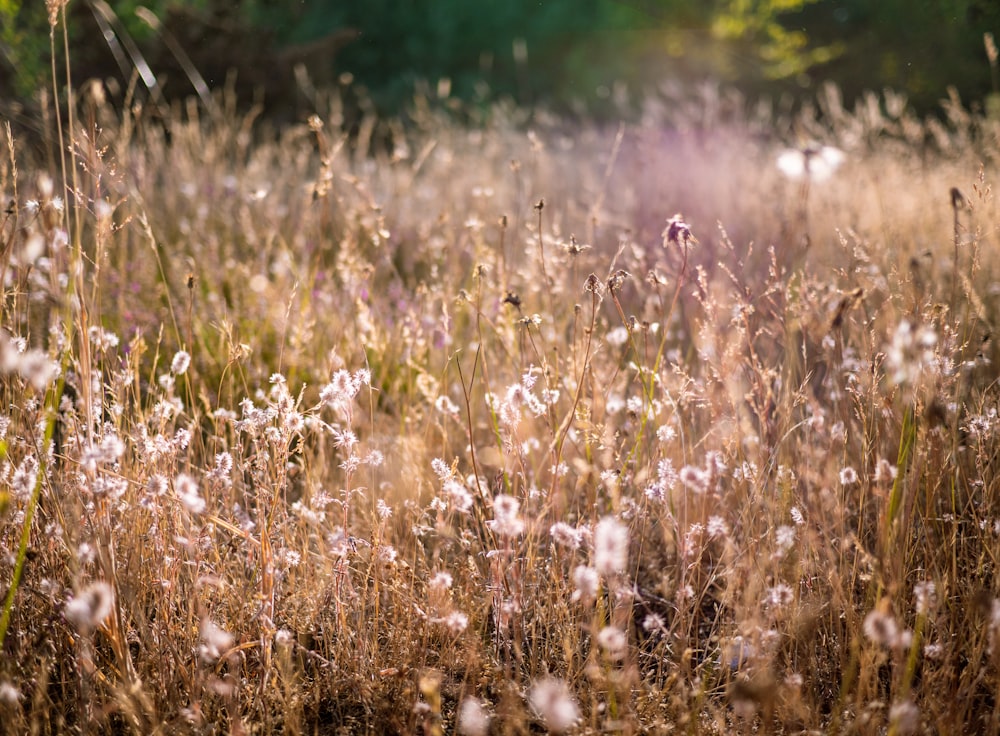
x=502, y=427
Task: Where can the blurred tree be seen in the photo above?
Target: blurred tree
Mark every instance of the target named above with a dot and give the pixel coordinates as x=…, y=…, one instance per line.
x=558, y=52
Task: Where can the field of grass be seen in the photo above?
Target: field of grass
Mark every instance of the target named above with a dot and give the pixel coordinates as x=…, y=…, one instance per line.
x=467, y=429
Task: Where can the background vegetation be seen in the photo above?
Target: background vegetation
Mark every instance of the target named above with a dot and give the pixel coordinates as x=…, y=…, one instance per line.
x=561, y=53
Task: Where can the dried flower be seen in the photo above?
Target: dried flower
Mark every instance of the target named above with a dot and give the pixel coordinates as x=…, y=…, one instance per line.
x=905, y=717
x=9, y=694
x=678, y=232
x=612, y=641
x=565, y=535
x=186, y=489
x=586, y=582
x=455, y=622
x=552, y=701
x=925, y=593
x=880, y=627
x=473, y=720
x=180, y=363
x=214, y=641
x=88, y=609
x=814, y=163
x=506, y=522
x=610, y=546
x=779, y=596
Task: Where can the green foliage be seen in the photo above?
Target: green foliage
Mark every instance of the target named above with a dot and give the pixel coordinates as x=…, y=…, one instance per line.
x=558, y=50
x=917, y=47
x=24, y=36
x=24, y=43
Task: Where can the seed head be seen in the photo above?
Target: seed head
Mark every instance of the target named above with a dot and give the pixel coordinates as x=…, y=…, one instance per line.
x=678, y=232
x=552, y=701
x=90, y=607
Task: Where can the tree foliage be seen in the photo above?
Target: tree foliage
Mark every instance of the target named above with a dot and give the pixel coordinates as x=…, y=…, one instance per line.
x=559, y=52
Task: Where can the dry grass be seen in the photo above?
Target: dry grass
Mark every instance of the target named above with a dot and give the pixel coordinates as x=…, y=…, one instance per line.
x=303, y=434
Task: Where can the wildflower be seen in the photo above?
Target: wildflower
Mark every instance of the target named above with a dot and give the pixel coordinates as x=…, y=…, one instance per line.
x=102, y=339
x=653, y=622
x=610, y=546
x=784, y=539
x=585, y=582
x=90, y=607
x=552, y=701
x=461, y=499
x=186, y=489
x=905, y=717
x=440, y=468
x=617, y=280
x=287, y=558
x=343, y=387
x=934, y=651
x=506, y=522
x=440, y=581
x=617, y=337
x=565, y=535
x=885, y=471
x=717, y=528
x=694, y=478
x=612, y=641
x=9, y=694
x=445, y=405
x=678, y=232
x=911, y=352
x=848, y=476
x=779, y=596
x=180, y=363
x=925, y=594
x=594, y=286
x=690, y=542
x=880, y=627
x=85, y=553
x=455, y=622
x=666, y=433
x=223, y=469
x=23, y=481
x=813, y=162
x=472, y=718
x=214, y=641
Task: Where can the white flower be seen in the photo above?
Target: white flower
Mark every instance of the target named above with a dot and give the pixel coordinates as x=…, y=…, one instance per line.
x=90, y=607
x=815, y=163
x=180, y=363
x=610, y=546
x=586, y=581
x=552, y=701
x=506, y=522
x=214, y=641
x=9, y=694
x=925, y=593
x=456, y=622
x=186, y=489
x=612, y=641
x=441, y=581
x=473, y=719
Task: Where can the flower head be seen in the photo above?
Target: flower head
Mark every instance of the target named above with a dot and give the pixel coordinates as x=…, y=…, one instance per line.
x=610, y=546
x=552, y=701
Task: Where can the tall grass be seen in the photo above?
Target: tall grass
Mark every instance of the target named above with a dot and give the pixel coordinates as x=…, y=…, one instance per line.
x=309, y=433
